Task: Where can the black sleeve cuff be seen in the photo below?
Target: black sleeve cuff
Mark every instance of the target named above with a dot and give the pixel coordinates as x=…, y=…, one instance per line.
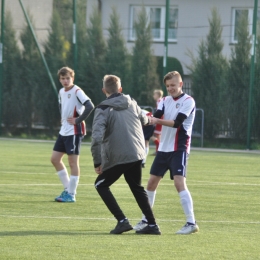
x=158, y=113
x=97, y=165
x=179, y=120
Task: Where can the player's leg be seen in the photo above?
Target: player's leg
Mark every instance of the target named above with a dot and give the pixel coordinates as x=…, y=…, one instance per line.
x=152, y=185
x=148, y=133
x=102, y=184
x=158, y=169
x=133, y=176
x=178, y=170
x=156, y=139
x=146, y=153
x=73, y=160
x=56, y=160
x=72, y=144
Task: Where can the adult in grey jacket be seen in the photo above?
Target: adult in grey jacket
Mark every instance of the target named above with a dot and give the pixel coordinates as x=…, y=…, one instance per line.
x=118, y=148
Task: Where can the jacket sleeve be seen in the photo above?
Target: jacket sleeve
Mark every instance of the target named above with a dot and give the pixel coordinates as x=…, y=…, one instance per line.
x=143, y=118
x=98, y=131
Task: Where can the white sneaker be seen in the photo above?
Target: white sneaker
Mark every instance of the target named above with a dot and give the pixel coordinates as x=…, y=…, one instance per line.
x=188, y=229
x=140, y=225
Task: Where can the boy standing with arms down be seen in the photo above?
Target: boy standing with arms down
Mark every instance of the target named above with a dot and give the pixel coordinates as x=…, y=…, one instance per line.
x=178, y=110
x=75, y=107
x=118, y=148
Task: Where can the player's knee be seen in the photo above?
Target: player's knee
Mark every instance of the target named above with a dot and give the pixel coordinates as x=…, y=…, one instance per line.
x=53, y=160
x=151, y=186
x=73, y=164
x=180, y=185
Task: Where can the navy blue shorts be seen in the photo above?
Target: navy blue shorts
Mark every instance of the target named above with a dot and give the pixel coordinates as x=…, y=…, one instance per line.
x=68, y=144
x=148, y=132
x=175, y=162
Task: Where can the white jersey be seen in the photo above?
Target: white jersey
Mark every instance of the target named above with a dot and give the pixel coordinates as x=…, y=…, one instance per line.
x=177, y=139
x=71, y=102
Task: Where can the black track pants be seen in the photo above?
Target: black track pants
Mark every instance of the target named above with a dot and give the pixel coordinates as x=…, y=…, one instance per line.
x=132, y=173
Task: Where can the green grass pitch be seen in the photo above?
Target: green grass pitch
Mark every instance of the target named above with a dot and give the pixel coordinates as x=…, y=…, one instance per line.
x=225, y=188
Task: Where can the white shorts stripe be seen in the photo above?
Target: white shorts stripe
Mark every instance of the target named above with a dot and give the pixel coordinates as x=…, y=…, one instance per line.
x=183, y=164
x=74, y=145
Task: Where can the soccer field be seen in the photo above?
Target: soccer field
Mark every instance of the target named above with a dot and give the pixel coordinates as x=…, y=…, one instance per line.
x=225, y=189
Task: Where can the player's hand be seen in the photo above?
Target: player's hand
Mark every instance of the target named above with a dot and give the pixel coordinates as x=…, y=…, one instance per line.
x=149, y=120
x=71, y=120
x=153, y=120
x=98, y=170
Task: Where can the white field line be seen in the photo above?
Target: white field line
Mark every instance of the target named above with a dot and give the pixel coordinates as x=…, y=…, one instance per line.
x=190, y=182
x=23, y=173
x=112, y=219
x=192, y=148
x=124, y=184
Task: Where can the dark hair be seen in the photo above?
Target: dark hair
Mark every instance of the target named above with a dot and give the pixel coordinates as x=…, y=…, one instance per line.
x=111, y=84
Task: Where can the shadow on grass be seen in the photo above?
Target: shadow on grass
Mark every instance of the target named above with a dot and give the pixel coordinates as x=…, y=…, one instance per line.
x=49, y=233
x=56, y=233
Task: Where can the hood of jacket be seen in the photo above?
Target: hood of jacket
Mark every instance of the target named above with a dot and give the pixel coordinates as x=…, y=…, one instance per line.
x=117, y=101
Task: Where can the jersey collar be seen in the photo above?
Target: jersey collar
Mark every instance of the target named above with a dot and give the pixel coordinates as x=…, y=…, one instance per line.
x=176, y=98
x=66, y=90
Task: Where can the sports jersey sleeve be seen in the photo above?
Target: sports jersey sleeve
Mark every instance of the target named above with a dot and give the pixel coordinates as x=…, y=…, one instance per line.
x=160, y=105
x=188, y=106
x=81, y=96
x=88, y=109
x=160, y=109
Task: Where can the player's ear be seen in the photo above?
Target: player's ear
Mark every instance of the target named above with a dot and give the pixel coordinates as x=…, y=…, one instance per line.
x=120, y=90
x=104, y=91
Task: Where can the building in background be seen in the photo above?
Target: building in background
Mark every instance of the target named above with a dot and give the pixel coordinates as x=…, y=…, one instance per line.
x=188, y=22
x=39, y=11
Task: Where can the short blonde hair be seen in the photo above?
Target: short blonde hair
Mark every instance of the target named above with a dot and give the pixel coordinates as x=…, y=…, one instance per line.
x=111, y=84
x=159, y=92
x=171, y=75
x=66, y=70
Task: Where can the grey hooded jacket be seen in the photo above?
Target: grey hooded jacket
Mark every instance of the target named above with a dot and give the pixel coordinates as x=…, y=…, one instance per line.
x=117, y=135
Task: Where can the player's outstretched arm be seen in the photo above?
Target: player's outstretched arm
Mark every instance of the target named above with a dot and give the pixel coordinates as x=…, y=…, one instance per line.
x=171, y=123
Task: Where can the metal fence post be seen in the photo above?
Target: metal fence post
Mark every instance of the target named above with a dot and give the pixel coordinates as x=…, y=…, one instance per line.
x=252, y=76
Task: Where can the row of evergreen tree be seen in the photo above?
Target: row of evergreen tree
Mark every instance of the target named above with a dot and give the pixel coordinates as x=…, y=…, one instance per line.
x=220, y=85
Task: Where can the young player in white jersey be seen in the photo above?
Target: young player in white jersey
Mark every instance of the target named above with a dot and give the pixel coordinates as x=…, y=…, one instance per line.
x=178, y=110
x=75, y=107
